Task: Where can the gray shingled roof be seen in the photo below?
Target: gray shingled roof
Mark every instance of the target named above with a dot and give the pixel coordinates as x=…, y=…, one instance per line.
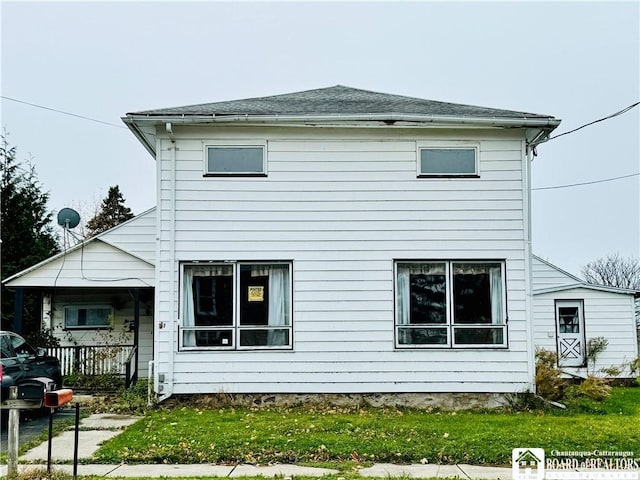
x=338, y=100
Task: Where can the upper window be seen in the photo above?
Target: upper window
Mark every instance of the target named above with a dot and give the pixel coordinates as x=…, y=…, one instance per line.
x=444, y=161
x=236, y=306
x=235, y=160
x=87, y=316
x=450, y=304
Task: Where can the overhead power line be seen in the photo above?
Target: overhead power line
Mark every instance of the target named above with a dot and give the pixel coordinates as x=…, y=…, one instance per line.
x=624, y=110
x=63, y=112
x=587, y=183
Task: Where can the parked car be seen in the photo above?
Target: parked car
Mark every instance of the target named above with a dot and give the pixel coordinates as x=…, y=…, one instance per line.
x=31, y=369
x=6, y=381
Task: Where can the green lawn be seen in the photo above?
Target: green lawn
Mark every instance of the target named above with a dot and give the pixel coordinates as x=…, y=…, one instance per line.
x=364, y=435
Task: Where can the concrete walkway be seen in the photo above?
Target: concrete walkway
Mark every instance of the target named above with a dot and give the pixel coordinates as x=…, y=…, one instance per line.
x=270, y=471
x=94, y=430
x=97, y=428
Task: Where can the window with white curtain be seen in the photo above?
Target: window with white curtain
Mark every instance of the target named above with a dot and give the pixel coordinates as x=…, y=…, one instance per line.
x=450, y=304
x=241, y=305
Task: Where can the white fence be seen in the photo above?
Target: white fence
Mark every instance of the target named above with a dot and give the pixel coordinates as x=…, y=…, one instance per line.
x=92, y=359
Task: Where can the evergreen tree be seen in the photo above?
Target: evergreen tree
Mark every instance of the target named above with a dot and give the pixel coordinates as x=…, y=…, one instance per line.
x=26, y=229
x=113, y=212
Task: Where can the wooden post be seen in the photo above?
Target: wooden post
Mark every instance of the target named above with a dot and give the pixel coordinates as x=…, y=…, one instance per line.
x=136, y=332
x=14, y=429
x=76, y=360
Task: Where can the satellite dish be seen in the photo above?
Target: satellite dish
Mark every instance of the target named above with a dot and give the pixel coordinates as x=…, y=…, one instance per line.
x=68, y=218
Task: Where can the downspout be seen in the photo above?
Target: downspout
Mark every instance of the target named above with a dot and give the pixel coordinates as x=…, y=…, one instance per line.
x=529, y=146
x=528, y=263
x=164, y=379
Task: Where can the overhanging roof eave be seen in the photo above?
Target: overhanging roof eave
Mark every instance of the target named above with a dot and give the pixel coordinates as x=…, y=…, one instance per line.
x=549, y=123
x=585, y=285
x=147, y=141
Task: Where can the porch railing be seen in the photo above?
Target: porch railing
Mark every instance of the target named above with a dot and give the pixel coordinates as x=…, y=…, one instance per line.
x=93, y=359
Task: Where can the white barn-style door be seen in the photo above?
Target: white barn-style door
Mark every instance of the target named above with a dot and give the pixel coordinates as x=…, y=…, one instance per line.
x=570, y=333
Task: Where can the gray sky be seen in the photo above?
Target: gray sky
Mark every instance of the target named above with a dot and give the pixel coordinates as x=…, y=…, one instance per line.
x=578, y=61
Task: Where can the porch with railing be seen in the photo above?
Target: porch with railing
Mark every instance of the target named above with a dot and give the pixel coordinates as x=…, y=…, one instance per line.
x=97, y=360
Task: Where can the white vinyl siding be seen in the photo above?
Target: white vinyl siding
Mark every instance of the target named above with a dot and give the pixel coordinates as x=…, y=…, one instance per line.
x=136, y=236
x=94, y=264
x=342, y=204
x=546, y=275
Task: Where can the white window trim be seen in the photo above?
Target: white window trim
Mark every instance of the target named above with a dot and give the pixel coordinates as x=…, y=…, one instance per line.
x=235, y=328
x=447, y=146
x=234, y=144
x=78, y=306
x=449, y=299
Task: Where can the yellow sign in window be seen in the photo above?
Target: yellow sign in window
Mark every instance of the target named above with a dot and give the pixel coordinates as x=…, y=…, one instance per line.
x=256, y=294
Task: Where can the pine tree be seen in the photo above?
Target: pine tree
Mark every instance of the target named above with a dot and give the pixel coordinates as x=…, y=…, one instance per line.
x=112, y=212
x=26, y=228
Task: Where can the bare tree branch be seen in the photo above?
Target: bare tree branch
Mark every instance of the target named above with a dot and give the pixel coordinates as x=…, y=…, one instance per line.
x=613, y=271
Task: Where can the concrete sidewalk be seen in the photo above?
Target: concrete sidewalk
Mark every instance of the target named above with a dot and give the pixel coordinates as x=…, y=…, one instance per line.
x=469, y=472
x=97, y=428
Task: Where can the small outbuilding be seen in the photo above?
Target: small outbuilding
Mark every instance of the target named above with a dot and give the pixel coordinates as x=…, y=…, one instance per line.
x=568, y=312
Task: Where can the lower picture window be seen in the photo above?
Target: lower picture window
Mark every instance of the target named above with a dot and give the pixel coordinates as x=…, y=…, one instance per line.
x=450, y=304
x=87, y=316
x=235, y=306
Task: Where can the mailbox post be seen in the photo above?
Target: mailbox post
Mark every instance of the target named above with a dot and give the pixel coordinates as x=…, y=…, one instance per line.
x=14, y=429
x=25, y=396
x=20, y=398
x=53, y=400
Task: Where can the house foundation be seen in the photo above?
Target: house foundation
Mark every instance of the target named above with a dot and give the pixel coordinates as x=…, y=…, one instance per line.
x=445, y=401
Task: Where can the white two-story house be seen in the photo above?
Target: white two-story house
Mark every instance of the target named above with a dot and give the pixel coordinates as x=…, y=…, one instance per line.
x=342, y=241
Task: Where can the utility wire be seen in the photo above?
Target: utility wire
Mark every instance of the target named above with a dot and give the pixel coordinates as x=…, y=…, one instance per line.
x=63, y=112
x=624, y=110
x=587, y=183
x=620, y=112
